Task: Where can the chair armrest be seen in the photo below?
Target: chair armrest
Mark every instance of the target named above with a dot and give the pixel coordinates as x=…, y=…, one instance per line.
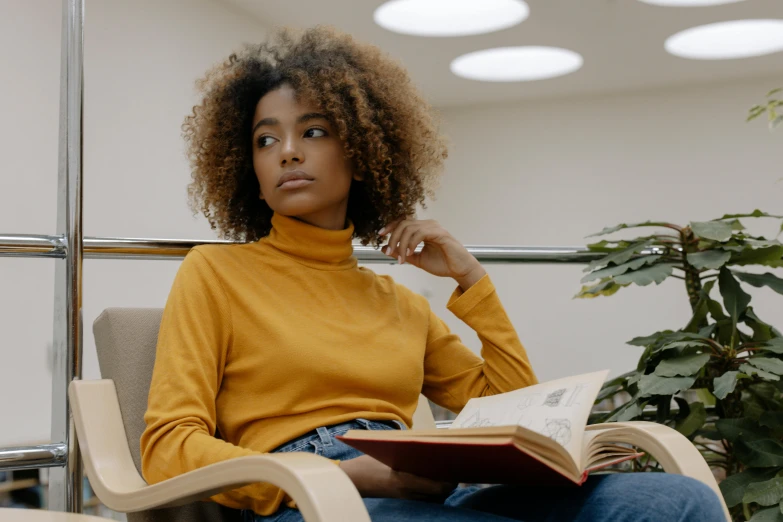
x=670, y=448
x=322, y=491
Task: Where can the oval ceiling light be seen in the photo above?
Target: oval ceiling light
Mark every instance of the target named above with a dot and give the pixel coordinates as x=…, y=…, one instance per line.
x=728, y=40
x=450, y=17
x=689, y=3
x=516, y=64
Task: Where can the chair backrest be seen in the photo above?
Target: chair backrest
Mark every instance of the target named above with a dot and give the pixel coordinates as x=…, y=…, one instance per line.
x=126, y=339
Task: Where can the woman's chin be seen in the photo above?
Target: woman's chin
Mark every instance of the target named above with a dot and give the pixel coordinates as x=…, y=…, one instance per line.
x=295, y=207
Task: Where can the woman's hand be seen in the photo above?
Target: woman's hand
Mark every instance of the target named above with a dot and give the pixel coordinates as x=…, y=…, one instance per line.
x=442, y=255
x=375, y=479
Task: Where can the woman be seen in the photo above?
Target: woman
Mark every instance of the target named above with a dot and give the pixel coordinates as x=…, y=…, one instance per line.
x=283, y=342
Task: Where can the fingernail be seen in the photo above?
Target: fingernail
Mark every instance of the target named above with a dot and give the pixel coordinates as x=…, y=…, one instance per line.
x=407, y=251
x=382, y=231
x=399, y=259
x=386, y=250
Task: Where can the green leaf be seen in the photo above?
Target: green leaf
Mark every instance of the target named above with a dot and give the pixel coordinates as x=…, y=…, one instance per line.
x=755, y=214
x=698, y=317
x=772, y=419
x=774, y=345
x=605, y=288
x=751, y=370
x=631, y=412
x=684, y=344
x=761, y=242
x=707, y=331
x=694, y=420
x=755, y=112
x=747, y=429
x=771, y=514
x=767, y=364
x=724, y=384
x=765, y=493
x=649, y=339
x=752, y=407
x=715, y=230
x=665, y=337
x=734, y=298
x=712, y=259
x=627, y=411
x=620, y=269
x=764, y=453
x=622, y=226
x=736, y=224
x=618, y=258
x=774, y=92
x=760, y=280
x=761, y=330
x=684, y=366
x=656, y=385
x=608, y=246
x=652, y=274
x=771, y=256
x=733, y=487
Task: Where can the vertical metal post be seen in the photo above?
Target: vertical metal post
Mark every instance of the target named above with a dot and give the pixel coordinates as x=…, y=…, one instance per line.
x=65, y=483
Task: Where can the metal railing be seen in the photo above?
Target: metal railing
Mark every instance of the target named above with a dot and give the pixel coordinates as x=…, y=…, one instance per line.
x=27, y=245
x=68, y=247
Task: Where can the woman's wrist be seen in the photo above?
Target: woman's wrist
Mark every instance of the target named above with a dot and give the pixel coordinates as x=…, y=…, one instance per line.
x=471, y=278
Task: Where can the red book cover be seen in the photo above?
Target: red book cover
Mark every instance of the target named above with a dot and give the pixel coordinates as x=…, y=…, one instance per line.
x=500, y=462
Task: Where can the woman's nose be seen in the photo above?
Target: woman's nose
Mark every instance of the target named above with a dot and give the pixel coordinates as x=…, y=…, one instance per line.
x=290, y=152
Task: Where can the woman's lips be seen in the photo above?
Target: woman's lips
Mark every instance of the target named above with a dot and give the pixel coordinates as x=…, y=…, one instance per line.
x=295, y=184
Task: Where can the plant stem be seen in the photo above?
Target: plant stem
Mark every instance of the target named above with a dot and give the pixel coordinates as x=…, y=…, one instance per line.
x=692, y=279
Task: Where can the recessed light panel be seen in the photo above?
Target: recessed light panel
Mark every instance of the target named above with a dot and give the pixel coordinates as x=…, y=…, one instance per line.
x=516, y=64
x=727, y=40
x=450, y=17
x=689, y=3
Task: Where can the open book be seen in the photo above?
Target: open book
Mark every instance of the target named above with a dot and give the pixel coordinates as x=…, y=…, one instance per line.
x=535, y=435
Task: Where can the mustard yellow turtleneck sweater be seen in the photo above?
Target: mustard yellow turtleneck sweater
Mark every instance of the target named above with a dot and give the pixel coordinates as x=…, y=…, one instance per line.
x=266, y=341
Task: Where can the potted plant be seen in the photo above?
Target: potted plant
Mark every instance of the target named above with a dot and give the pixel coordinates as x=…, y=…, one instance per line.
x=722, y=369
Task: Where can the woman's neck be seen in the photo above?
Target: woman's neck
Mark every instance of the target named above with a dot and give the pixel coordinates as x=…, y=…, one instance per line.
x=313, y=245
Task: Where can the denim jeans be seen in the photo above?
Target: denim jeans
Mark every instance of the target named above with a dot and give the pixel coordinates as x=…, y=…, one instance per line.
x=637, y=497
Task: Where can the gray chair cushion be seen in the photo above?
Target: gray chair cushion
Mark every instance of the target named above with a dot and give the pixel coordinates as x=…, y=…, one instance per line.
x=126, y=339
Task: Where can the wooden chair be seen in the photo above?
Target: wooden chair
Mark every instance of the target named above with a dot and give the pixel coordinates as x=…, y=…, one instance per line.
x=109, y=419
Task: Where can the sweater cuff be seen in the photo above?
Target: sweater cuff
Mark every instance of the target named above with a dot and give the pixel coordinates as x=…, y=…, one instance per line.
x=461, y=303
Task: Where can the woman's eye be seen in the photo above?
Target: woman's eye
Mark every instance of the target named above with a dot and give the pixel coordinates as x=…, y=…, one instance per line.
x=315, y=129
x=261, y=142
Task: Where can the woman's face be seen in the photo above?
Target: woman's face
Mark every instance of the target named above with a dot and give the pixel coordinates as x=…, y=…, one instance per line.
x=299, y=160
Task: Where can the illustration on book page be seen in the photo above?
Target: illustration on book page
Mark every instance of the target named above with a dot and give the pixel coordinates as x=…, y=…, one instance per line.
x=554, y=409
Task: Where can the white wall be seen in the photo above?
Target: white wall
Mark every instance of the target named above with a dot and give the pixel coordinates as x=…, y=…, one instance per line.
x=551, y=172
x=141, y=61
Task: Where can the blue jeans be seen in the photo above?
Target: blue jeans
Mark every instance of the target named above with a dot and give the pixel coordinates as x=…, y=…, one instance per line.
x=637, y=497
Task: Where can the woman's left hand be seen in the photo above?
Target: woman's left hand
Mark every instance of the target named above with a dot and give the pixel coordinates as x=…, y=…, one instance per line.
x=442, y=255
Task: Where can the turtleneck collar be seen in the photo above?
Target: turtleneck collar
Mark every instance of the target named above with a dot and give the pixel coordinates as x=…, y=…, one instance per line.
x=312, y=246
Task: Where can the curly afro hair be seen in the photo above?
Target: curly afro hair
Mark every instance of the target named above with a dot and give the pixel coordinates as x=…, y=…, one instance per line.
x=389, y=131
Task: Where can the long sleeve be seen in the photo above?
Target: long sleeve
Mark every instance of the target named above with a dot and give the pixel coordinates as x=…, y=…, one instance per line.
x=194, y=340
x=453, y=374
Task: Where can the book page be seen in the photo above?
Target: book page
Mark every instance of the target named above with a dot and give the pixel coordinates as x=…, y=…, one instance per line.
x=556, y=409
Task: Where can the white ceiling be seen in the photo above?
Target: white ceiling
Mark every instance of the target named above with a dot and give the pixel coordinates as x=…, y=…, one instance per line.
x=621, y=42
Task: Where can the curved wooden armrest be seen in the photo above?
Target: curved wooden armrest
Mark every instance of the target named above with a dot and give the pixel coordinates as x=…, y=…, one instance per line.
x=672, y=449
x=322, y=491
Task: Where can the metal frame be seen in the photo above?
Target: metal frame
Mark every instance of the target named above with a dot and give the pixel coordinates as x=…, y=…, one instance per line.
x=26, y=245
x=69, y=247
